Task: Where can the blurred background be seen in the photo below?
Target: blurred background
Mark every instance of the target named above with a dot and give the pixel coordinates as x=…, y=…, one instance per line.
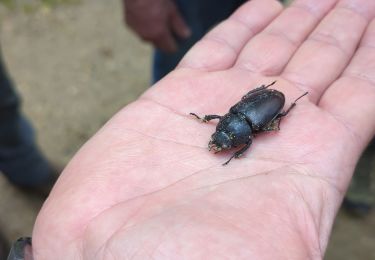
x=75, y=64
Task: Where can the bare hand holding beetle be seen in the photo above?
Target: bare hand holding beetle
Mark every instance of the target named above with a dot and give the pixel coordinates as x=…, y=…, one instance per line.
x=145, y=186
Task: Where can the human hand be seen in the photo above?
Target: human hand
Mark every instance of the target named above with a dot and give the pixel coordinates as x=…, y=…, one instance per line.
x=145, y=185
x=156, y=21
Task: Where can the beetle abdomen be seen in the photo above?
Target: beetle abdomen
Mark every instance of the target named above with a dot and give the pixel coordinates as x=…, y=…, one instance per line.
x=261, y=107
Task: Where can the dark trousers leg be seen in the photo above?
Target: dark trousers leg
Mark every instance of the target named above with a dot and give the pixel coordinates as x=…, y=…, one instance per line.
x=20, y=160
x=201, y=16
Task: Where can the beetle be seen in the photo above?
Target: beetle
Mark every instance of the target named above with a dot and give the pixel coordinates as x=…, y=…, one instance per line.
x=260, y=110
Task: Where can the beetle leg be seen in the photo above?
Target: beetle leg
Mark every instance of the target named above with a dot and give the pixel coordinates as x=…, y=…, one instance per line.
x=273, y=126
x=257, y=89
x=282, y=114
x=239, y=152
x=206, y=118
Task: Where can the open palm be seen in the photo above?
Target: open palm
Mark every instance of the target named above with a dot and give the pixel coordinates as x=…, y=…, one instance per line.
x=145, y=186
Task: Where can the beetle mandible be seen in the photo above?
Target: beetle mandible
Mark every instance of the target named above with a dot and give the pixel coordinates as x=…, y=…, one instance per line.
x=260, y=110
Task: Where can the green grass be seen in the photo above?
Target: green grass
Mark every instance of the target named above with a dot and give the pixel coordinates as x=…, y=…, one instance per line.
x=7, y=3
x=58, y=2
x=31, y=5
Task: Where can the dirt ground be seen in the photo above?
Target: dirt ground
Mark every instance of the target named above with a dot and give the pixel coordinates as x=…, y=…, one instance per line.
x=75, y=65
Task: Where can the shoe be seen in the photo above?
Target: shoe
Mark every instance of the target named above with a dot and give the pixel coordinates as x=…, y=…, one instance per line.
x=4, y=247
x=21, y=249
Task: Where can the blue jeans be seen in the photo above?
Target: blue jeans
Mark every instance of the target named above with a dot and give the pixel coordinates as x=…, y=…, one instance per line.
x=201, y=16
x=20, y=160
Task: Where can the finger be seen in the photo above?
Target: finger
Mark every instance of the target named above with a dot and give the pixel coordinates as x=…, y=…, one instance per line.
x=351, y=99
x=179, y=27
x=165, y=42
x=269, y=51
x=324, y=55
x=219, y=48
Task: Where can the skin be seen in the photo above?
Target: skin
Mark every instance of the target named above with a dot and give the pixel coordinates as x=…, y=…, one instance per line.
x=145, y=186
x=156, y=21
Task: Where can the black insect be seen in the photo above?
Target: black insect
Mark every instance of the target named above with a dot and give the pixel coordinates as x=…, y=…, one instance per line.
x=260, y=110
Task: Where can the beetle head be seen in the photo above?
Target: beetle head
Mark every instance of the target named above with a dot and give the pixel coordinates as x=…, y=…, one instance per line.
x=219, y=141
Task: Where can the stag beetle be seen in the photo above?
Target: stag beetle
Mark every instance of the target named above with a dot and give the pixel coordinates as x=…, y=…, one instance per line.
x=260, y=110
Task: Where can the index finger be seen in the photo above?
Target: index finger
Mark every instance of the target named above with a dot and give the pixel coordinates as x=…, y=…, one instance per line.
x=219, y=49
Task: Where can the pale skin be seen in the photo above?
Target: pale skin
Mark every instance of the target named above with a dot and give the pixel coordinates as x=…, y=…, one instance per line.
x=146, y=187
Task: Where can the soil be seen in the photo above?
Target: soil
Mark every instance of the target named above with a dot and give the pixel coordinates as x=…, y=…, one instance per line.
x=71, y=62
